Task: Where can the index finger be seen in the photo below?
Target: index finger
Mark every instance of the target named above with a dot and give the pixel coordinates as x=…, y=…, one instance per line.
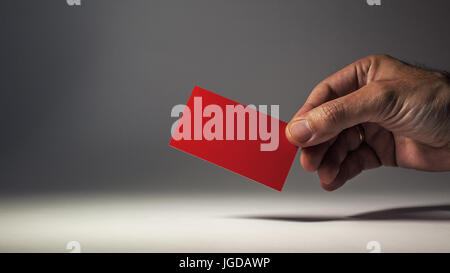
x=341, y=83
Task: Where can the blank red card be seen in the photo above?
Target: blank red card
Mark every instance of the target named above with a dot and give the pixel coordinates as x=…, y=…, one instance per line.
x=242, y=156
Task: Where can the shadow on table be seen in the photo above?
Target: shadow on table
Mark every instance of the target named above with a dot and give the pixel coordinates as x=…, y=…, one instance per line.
x=418, y=213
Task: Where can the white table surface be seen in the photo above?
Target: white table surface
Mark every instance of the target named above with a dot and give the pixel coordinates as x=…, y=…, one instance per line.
x=224, y=223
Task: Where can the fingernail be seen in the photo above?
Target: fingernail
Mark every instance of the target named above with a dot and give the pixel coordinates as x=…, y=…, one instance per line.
x=301, y=131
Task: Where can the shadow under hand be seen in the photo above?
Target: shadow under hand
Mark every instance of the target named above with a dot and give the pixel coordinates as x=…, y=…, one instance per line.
x=418, y=213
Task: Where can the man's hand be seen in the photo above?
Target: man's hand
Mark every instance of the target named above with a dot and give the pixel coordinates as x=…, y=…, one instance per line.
x=401, y=112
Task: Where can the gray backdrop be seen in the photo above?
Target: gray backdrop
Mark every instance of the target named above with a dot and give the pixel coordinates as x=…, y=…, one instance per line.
x=86, y=92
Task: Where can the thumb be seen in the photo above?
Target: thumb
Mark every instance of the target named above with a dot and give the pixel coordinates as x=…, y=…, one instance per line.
x=327, y=120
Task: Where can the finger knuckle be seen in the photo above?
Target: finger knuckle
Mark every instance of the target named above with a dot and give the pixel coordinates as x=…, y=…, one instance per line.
x=385, y=99
x=379, y=57
x=382, y=90
x=333, y=112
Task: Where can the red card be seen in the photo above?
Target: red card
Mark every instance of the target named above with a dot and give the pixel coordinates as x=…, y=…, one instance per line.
x=227, y=134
